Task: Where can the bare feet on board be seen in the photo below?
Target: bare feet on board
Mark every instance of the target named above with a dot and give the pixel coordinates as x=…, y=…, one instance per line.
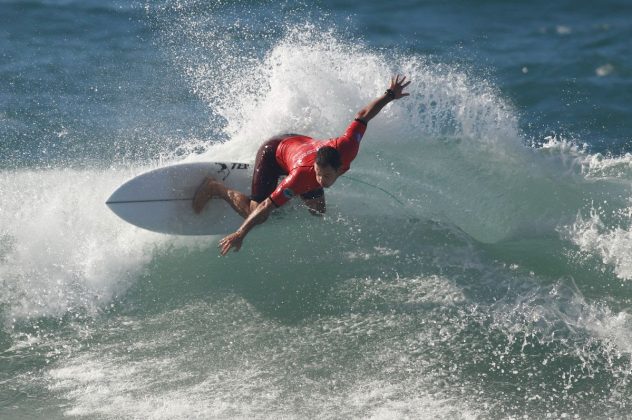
x=208, y=189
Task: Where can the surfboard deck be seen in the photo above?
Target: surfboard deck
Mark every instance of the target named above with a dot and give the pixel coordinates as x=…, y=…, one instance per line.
x=160, y=200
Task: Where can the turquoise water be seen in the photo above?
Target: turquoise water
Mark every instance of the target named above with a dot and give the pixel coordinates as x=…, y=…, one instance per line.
x=493, y=281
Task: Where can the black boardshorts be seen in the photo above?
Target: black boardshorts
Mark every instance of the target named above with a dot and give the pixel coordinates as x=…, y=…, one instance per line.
x=267, y=171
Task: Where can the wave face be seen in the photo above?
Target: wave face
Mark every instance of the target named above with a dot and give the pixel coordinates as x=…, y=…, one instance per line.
x=464, y=269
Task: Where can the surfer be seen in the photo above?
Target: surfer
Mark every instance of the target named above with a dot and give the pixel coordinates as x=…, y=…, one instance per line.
x=310, y=166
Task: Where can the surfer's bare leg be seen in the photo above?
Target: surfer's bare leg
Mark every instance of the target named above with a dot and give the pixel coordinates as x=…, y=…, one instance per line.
x=210, y=188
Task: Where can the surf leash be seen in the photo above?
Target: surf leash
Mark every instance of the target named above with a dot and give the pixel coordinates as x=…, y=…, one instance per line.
x=376, y=187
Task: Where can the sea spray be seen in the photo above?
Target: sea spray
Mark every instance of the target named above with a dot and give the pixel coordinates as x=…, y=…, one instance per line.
x=62, y=249
x=467, y=291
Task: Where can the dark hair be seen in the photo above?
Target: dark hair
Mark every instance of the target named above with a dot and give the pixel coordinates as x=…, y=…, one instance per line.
x=328, y=156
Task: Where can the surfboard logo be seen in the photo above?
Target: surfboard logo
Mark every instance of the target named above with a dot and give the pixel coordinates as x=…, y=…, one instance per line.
x=288, y=193
x=223, y=171
x=239, y=166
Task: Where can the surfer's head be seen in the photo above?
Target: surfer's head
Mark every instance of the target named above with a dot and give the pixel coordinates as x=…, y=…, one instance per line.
x=327, y=166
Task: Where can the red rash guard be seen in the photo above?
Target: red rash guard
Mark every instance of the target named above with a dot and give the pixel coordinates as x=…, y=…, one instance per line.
x=296, y=156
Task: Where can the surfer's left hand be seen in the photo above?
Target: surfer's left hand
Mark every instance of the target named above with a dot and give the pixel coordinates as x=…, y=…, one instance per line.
x=398, y=85
x=233, y=240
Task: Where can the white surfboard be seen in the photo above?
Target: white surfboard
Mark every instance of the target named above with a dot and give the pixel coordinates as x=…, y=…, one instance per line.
x=160, y=200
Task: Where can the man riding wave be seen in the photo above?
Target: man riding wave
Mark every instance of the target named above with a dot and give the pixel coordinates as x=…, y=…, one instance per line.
x=309, y=165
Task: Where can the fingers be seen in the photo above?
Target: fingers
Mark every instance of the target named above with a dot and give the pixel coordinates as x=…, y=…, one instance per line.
x=399, y=81
x=226, y=247
x=230, y=241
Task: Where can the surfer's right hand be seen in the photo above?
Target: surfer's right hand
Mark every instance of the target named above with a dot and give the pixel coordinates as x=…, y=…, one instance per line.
x=233, y=240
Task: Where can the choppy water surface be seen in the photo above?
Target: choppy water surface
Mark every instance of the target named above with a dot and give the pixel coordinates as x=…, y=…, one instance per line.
x=475, y=262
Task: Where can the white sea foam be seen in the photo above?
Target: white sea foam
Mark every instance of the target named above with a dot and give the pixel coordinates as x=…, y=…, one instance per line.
x=612, y=243
x=61, y=248
x=604, y=70
x=266, y=363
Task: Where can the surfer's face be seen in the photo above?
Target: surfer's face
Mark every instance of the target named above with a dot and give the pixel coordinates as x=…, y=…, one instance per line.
x=325, y=175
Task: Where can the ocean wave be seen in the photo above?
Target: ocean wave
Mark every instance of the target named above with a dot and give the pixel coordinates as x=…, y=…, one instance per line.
x=451, y=153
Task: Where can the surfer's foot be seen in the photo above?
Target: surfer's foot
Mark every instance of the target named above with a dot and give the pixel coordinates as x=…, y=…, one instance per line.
x=208, y=189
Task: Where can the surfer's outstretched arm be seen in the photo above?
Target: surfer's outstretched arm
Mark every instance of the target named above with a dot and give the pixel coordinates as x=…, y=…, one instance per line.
x=395, y=91
x=258, y=215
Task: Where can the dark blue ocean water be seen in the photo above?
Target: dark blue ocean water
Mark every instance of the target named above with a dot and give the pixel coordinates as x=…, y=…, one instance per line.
x=563, y=64
x=492, y=281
